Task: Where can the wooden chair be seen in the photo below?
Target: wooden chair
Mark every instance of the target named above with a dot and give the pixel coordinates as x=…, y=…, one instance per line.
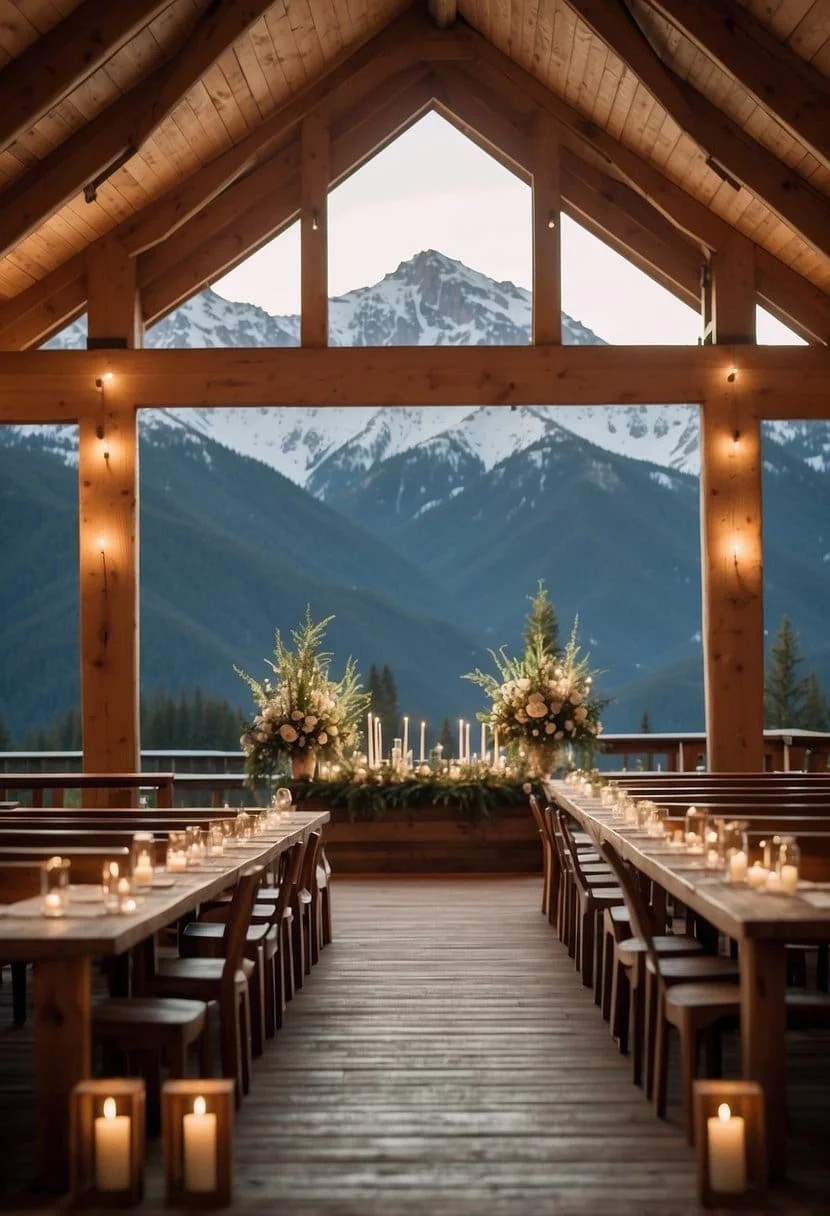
x=264, y=945
x=224, y=980
x=549, y=896
x=592, y=892
x=165, y=1028
x=667, y=965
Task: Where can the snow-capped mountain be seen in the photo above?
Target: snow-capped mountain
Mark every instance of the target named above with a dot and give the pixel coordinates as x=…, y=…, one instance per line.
x=429, y=300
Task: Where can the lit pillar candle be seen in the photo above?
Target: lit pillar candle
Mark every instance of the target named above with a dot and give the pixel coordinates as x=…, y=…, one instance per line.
x=460, y=740
x=727, y=1152
x=483, y=752
x=738, y=866
x=789, y=878
x=756, y=876
x=422, y=756
x=467, y=753
x=112, y=1149
x=143, y=870
x=370, y=741
x=405, y=748
x=199, y=1148
x=496, y=758
x=378, y=743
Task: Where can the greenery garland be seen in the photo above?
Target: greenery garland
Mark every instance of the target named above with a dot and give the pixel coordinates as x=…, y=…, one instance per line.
x=477, y=796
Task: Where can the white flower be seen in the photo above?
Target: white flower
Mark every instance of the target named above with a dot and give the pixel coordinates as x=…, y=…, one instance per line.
x=576, y=698
x=296, y=714
x=322, y=738
x=288, y=733
x=580, y=713
x=537, y=709
x=549, y=728
x=523, y=684
x=310, y=722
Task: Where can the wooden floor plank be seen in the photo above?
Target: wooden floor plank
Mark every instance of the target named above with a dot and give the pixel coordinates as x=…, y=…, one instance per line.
x=443, y=1059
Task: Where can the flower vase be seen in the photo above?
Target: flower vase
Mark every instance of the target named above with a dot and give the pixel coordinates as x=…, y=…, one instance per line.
x=543, y=758
x=302, y=764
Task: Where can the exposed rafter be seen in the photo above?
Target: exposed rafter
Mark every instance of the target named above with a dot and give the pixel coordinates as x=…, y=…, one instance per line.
x=443, y=12
x=790, y=89
x=735, y=154
x=108, y=141
x=70, y=52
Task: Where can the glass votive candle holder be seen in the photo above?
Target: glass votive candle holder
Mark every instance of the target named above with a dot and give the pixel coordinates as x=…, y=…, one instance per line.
x=217, y=840
x=194, y=846
x=176, y=858
x=733, y=849
x=695, y=826
x=789, y=862
x=244, y=828
x=111, y=876
x=54, y=886
x=143, y=847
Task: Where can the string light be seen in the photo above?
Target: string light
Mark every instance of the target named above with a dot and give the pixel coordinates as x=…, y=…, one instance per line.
x=551, y=219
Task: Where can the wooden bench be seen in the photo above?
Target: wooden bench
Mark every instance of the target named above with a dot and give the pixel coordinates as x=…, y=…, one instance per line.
x=112, y=787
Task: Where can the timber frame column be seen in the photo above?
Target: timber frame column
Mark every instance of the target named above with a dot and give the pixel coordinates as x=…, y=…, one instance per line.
x=108, y=519
x=547, y=257
x=314, y=175
x=731, y=531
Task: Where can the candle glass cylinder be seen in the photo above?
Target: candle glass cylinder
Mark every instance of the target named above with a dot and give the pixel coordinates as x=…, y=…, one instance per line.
x=789, y=863
x=142, y=851
x=111, y=876
x=695, y=826
x=217, y=840
x=244, y=828
x=106, y=1142
x=282, y=800
x=176, y=857
x=195, y=854
x=54, y=886
x=197, y=1127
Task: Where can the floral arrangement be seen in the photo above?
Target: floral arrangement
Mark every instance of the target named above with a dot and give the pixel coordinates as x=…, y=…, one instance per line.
x=543, y=700
x=302, y=710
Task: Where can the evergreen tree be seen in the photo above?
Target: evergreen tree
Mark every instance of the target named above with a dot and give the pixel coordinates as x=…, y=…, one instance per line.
x=541, y=622
x=446, y=739
x=784, y=690
x=384, y=693
x=816, y=714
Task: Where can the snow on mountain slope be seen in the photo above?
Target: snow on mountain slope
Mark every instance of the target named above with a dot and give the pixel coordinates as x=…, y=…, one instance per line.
x=431, y=299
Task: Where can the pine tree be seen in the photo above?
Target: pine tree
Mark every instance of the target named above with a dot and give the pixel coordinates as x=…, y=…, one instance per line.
x=816, y=713
x=446, y=739
x=541, y=622
x=784, y=690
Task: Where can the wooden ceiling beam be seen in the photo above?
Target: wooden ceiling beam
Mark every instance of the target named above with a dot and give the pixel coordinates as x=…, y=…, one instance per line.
x=604, y=205
x=442, y=12
x=732, y=153
x=793, y=91
x=66, y=55
x=59, y=386
x=101, y=146
x=266, y=202
x=799, y=303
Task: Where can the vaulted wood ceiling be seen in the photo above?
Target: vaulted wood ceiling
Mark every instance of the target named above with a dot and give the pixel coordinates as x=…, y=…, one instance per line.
x=174, y=125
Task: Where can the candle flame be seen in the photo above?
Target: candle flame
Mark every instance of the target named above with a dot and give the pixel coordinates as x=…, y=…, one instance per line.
x=110, y=1108
x=200, y=1106
x=724, y=1113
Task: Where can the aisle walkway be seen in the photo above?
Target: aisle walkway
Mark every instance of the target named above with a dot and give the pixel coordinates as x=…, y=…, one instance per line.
x=443, y=1060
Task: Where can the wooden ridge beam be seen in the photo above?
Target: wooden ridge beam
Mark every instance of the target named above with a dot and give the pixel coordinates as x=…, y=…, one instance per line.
x=66, y=55
x=734, y=152
x=793, y=91
x=103, y=145
x=59, y=386
x=442, y=12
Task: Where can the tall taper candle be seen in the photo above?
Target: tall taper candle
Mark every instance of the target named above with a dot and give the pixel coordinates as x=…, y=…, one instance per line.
x=467, y=753
x=405, y=748
x=483, y=752
x=495, y=747
x=423, y=741
x=370, y=741
x=460, y=740
x=378, y=743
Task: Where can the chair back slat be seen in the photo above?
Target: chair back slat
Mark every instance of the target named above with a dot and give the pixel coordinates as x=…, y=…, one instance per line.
x=239, y=917
x=638, y=909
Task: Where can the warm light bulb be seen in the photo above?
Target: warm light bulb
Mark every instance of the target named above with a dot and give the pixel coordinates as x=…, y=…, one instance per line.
x=102, y=543
x=732, y=375
x=110, y=1109
x=200, y=1106
x=724, y=1113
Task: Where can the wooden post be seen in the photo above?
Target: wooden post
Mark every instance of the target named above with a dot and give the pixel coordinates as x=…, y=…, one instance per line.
x=314, y=321
x=108, y=518
x=731, y=539
x=547, y=265
x=732, y=575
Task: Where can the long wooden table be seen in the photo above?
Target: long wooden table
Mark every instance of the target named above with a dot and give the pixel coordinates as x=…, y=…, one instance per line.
x=62, y=951
x=762, y=924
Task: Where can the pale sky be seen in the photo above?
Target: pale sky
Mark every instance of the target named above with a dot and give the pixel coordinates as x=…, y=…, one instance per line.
x=434, y=189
